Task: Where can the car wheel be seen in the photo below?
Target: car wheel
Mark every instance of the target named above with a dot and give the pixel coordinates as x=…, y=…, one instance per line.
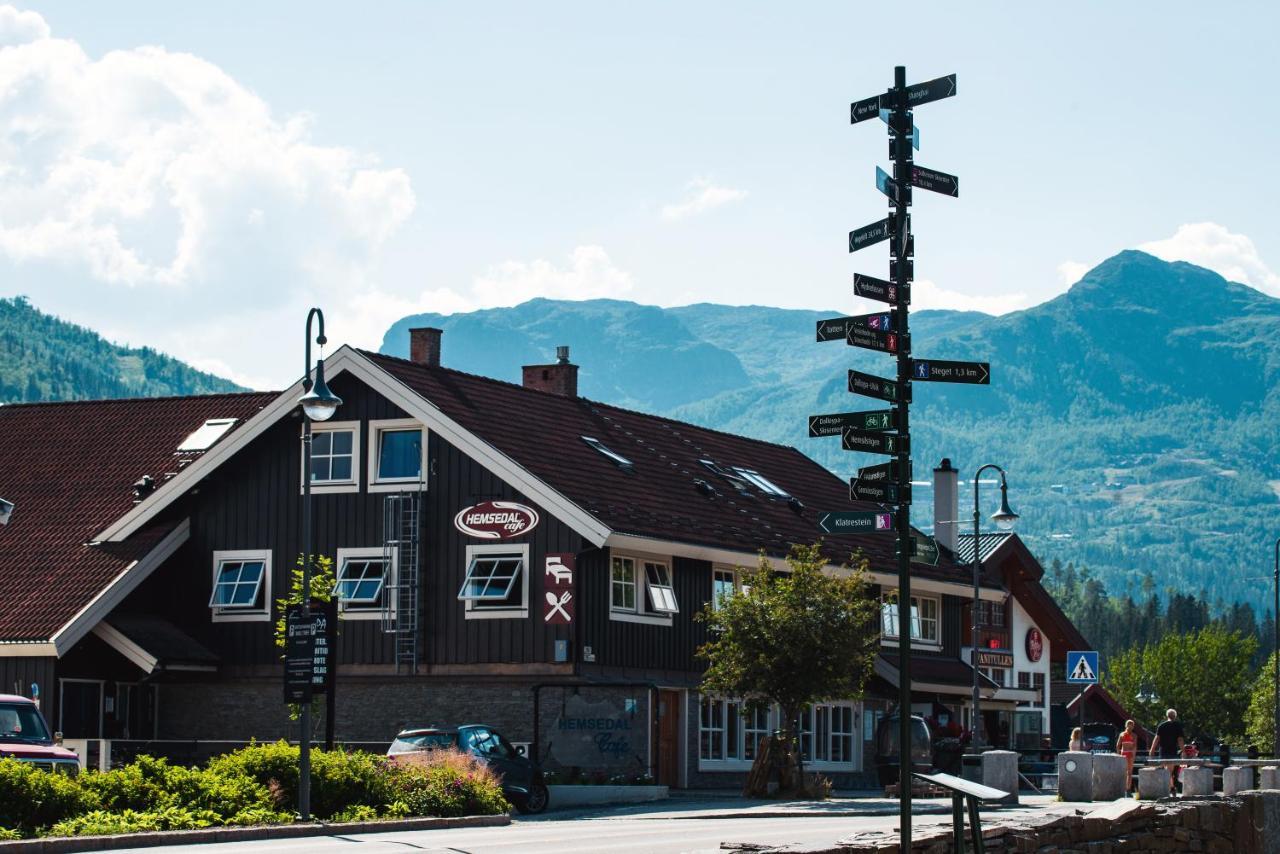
x=534, y=802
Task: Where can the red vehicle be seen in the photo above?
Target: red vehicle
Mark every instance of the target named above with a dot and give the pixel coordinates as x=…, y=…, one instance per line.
x=25, y=736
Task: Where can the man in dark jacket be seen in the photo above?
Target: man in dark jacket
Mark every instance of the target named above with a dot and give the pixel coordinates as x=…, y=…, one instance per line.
x=1168, y=744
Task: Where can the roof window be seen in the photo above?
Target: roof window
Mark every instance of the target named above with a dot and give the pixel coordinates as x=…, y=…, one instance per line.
x=613, y=456
x=762, y=483
x=735, y=480
x=205, y=435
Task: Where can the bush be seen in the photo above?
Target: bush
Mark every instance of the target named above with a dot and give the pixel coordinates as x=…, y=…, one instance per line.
x=447, y=783
x=104, y=822
x=149, y=784
x=339, y=780
x=31, y=799
x=8, y=835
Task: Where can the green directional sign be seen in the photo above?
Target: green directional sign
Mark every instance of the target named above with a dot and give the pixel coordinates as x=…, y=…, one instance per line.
x=835, y=423
x=855, y=522
x=924, y=550
x=871, y=385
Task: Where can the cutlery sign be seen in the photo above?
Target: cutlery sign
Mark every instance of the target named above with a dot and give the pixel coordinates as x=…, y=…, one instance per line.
x=559, y=595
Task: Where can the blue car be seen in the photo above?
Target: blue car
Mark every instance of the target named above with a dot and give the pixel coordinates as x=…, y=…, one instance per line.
x=521, y=777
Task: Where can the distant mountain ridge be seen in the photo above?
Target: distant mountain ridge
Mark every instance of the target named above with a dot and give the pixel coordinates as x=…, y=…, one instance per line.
x=44, y=358
x=1135, y=413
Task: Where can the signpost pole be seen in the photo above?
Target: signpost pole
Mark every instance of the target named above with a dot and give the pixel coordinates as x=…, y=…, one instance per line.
x=1275, y=628
x=304, y=720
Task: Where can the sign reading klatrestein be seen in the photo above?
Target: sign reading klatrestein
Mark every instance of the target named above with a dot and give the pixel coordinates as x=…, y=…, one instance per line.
x=496, y=520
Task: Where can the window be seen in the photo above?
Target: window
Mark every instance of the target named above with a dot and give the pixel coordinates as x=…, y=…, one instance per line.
x=495, y=585
x=335, y=450
x=1037, y=684
x=724, y=583
x=640, y=591
x=827, y=733
x=613, y=456
x=998, y=675
x=924, y=617
x=711, y=729
x=756, y=725
x=241, y=586
x=990, y=614
x=397, y=454
x=1024, y=680
x=205, y=435
x=736, y=480
x=762, y=483
x=729, y=731
x=362, y=584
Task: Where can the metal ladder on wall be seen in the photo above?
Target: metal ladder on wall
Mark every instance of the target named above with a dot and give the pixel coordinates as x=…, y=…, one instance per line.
x=401, y=531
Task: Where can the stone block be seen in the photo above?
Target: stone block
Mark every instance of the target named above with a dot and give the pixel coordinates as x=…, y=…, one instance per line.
x=1263, y=811
x=1153, y=783
x=1109, y=776
x=1075, y=775
x=1000, y=771
x=1236, y=779
x=1197, y=782
x=1269, y=777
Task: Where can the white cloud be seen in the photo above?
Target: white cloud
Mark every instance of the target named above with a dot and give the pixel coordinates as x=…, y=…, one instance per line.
x=1209, y=245
x=1070, y=272
x=702, y=196
x=21, y=27
x=926, y=294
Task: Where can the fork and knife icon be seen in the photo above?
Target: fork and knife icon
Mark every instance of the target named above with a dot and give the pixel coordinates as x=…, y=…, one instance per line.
x=557, y=605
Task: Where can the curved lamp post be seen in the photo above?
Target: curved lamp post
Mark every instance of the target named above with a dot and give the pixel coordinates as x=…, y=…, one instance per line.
x=1275, y=662
x=1004, y=519
x=318, y=404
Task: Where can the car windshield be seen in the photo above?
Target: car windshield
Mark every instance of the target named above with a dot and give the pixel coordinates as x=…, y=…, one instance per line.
x=21, y=721
x=414, y=741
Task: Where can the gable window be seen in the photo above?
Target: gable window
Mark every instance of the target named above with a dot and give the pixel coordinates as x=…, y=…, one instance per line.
x=640, y=591
x=335, y=453
x=924, y=617
x=241, y=586
x=397, y=454
x=362, y=583
x=496, y=583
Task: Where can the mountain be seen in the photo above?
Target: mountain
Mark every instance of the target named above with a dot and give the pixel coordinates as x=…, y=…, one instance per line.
x=44, y=358
x=1135, y=414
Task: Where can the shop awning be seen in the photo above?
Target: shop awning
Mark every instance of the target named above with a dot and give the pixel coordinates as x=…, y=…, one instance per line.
x=935, y=673
x=155, y=644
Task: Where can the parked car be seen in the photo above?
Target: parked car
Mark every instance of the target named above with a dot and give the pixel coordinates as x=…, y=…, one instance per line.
x=25, y=736
x=522, y=781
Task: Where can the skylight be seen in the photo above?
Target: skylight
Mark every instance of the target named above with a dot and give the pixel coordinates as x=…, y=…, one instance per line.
x=762, y=483
x=208, y=433
x=616, y=458
x=737, y=481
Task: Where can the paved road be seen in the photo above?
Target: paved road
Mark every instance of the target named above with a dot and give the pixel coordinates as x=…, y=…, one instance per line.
x=655, y=829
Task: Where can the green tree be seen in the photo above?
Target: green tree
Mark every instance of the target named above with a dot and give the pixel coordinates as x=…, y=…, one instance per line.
x=792, y=638
x=1260, y=719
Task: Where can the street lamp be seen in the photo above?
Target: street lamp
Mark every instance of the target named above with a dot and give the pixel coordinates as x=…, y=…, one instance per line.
x=1275, y=662
x=318, y=404
x=1004, y=519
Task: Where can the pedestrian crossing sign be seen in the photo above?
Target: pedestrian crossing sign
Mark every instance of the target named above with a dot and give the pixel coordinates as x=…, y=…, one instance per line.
x=1082, y=667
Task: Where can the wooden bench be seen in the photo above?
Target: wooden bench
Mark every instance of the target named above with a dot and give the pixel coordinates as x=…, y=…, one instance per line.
x=963, y=791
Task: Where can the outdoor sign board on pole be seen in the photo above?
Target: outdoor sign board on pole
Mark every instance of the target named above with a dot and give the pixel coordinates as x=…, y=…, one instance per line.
x=870, y=385
x=833, y=329
x=939, y=370
x=871, y=339
x=299, y=655
x=1082, y=667
x=877, y=289
x=835, y=423
x=890, y=444
x=869, y=235
x=924, y=550
x=854, y=522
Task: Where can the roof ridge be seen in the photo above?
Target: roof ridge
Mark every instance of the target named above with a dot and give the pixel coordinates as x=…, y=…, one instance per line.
x=30, y=404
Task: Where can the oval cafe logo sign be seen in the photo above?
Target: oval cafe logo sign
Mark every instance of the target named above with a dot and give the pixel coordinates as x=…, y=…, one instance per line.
x=496, y=520
x=1035, y=644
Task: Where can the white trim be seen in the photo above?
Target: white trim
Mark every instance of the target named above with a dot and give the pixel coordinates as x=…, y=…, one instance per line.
x=482, y=613
x=37, y=649
x=643, y=613
x=244, y=615
x=118, y=588
x=366, y=612
x=330, y=487
x=116, y=639
x=348, y=360
x=394, y=484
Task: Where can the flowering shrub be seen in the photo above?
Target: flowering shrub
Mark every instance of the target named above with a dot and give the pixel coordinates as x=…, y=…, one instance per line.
x=447, y=783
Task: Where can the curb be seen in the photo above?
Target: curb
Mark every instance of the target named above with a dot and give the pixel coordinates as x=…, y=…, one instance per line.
x=156, y=838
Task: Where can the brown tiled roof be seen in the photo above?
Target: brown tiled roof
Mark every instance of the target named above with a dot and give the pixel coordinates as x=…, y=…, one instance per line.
x=70, y=468
x=658, y=498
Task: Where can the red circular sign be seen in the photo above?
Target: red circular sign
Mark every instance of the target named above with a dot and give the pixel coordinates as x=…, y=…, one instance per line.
x=496, y=520
x=1035, y=644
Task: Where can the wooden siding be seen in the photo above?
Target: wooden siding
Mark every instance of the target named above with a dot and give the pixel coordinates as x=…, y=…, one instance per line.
x=17, y=674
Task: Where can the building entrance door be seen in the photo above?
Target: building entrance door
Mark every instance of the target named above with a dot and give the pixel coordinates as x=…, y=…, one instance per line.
x=81, y=707
x=668, y=753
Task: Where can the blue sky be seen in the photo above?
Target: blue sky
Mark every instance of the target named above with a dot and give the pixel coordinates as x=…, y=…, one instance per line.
x=192, y=176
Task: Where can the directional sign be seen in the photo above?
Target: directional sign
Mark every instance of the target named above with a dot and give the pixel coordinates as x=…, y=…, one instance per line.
x=881, y=473
x=870, y=339
x=893, y=268
x=940, y=371
x=867, y=108
x=887, y=185
x=924, y=550
x=833, y=329
x=932, y=179
x=932, y=90
x=1082, y=667
x=873, y=443
x=884, y=493
x=869, y=234
x=871, y=385
x=881, y=321
x=854, y=522
x=834, y=424
x=876, y=289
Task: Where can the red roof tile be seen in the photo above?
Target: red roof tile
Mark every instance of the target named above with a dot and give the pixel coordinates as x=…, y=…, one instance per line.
x=70, y=468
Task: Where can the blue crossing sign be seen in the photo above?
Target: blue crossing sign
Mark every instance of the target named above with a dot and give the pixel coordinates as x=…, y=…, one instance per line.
x=1082, y=667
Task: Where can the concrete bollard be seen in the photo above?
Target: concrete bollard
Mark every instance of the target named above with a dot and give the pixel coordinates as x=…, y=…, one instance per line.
x=1109, y=783
x=1270, y=778
x=1075, y=776
x=1000, y=771
x=1237, y=778
x=1153, y=783
x=1197, y=782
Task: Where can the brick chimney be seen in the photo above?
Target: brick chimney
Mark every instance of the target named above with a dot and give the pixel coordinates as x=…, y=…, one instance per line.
x=424, y=346
x=946, y=504
x=560, y=378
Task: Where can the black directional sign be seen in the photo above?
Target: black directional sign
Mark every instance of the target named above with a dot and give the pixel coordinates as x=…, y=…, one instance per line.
x=924, y=550
x=867, y=108
x=876, y=289
x=855, y=522
x=868, y=235
x=887, y=185
x=871, y=385
x=881, y=321
x=885, y=493
x=871, y=339
x=940, y=371
x=880, y=473
x=931, y=90
x=833, y=329
x=873, y=443
x=835, y=423
x=932, y=179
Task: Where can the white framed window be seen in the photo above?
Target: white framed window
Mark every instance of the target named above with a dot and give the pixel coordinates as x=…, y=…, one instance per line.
x=335, y=456
x=640, y=590
x=363, y=579
x=761, y=483
x=756, y=724
x=241, y=586
x=496, y=584
x=729, y=733
x=711, y=729
x=924, y=617
x=397, y=454
x=724, y=583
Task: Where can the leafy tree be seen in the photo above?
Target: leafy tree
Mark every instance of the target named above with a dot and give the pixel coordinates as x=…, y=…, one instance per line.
x=1260, y=719
x=792, y=638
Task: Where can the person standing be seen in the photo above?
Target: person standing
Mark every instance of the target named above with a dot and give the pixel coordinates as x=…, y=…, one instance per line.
x=1077, y=741
x=1168, y=744
x=1127, y=746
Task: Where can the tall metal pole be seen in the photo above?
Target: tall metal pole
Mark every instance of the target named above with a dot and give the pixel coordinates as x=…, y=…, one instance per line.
x=1275, y=643
x=902, y=241
x=304, y=741
x=979, y=736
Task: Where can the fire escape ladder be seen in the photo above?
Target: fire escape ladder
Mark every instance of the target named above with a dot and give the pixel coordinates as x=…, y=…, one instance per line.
x=401, y=548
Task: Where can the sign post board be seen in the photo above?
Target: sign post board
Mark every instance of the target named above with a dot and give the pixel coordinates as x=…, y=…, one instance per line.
x=1082, y=667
